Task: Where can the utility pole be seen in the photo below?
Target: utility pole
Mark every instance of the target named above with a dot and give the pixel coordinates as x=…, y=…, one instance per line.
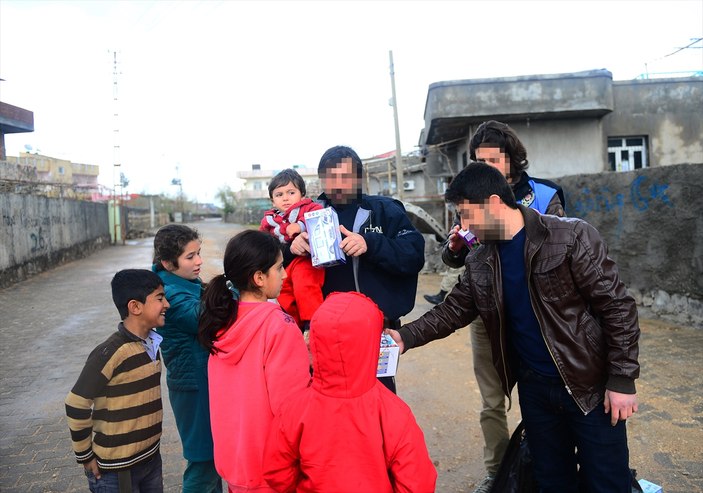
x=116, y=213
x=398, y=156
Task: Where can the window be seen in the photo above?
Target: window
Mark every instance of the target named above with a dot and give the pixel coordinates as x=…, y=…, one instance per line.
x=627, y=153
x=257, y=185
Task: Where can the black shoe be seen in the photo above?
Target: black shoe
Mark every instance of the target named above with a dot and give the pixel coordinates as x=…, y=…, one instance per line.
x=435, y=299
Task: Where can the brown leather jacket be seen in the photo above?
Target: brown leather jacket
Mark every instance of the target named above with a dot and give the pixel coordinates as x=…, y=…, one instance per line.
x=588, y=321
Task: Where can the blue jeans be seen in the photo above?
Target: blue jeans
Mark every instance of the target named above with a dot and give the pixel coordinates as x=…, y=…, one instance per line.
x=572, y=452
x=146, y=477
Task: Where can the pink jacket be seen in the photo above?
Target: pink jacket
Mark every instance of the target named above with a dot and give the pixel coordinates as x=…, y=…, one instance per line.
x=347, y=433
x=262, y=360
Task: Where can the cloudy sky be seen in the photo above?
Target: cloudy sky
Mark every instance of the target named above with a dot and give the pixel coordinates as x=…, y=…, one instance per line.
x=207, y=88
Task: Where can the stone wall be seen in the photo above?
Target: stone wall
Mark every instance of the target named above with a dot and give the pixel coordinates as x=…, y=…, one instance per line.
x=38, y=233
x=652, y=220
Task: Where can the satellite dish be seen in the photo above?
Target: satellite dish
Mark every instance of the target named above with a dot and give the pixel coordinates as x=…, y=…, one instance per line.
x=28, y=147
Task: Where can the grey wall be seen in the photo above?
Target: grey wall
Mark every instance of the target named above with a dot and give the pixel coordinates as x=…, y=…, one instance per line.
x=652, y=220
x=38, y=233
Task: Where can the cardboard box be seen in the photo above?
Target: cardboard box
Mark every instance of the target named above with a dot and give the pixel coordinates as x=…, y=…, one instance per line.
x=387, y=357
x=648, y=487
x=324, y=238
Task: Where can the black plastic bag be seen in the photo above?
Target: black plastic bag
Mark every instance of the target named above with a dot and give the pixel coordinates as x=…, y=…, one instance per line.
x=515, y=473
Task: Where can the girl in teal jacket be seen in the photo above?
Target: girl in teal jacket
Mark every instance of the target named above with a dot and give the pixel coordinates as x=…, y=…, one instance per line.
x=177, y=261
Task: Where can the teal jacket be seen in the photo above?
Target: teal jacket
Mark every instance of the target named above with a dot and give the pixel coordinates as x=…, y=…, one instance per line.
x=186, y=366
x=184, y=357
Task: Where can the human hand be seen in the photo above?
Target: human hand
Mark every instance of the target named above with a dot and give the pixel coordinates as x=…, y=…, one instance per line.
x=300, y=246
x=395, y=335
x=620, y=406
x=92, y=467
x=456, y=242
x=353, y=244
x=293, y=229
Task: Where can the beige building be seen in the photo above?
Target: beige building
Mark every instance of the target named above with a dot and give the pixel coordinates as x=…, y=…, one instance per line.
x=59, y=177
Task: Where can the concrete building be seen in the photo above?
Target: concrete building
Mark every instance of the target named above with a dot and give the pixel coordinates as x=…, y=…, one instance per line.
x=570, y=123
x=13, y=120
x=64, y=178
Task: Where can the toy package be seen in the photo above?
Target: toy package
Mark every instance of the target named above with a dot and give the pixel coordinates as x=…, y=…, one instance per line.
x=324, y=238
x=388, y=357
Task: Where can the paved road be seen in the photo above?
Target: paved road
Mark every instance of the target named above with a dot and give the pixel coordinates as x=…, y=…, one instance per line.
x=49, y=323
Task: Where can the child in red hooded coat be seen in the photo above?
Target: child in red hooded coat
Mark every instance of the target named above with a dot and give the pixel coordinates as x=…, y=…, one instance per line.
x=347, y=432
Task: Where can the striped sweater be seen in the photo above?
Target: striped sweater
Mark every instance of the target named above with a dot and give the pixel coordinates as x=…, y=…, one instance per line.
x=114, y=410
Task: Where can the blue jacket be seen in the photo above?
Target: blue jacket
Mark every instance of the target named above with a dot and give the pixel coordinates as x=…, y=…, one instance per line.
x=387, y=273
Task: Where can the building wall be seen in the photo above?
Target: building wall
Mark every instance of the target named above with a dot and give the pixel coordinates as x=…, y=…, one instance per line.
x=651, y=219
x=39, y=233
x=668, y=111
x=561, y=147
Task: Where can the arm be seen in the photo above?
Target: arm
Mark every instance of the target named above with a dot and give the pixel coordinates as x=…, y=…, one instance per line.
x=456, y=311
x=184, y=310
x=597, y=279
x=410, y=468
x=556, y=205
x=454, y=250
x=281, y=467
x=286, y=365
x=79, y=407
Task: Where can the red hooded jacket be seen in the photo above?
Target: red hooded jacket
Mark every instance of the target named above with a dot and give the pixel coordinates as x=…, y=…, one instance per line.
x=347, y=433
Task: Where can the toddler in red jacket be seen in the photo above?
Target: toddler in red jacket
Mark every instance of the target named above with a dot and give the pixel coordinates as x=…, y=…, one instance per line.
x=347, y=432
x=301, y=293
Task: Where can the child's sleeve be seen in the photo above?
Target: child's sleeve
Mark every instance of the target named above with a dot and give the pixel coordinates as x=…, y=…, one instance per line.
x=79, y=404
x=281, y=466
x=409, y=465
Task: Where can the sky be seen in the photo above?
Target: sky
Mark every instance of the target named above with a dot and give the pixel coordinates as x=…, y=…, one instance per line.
x=207, y=88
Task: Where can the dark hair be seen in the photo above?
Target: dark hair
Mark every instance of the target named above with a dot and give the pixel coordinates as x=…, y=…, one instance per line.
x=477, y=182
x=497, y=134
x=284, y=178
x=247, y=253
x=334, y=155
x=133, y=284
x=169, y=243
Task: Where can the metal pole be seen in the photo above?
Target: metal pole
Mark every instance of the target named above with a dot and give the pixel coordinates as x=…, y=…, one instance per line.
x=398, y=156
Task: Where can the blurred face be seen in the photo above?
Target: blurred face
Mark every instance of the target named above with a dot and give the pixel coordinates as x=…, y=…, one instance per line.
x=273, y=279
x=285, y=196
x=496, y=158
x=340, y=184
x=189, y=262
x=484, y=220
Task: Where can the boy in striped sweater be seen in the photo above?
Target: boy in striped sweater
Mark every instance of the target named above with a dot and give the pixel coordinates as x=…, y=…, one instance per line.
x=114, y=410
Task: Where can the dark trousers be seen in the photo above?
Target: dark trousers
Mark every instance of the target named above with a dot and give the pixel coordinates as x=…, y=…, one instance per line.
x=572, y=452
x=145, y=477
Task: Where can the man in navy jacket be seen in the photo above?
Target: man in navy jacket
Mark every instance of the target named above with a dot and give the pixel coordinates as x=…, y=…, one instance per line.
x=384, y=251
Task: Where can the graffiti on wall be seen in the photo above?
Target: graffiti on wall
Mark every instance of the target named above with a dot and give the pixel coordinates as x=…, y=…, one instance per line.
x=642, y=194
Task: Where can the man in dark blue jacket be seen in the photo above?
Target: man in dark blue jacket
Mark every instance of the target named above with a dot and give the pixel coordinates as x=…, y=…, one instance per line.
x=384, y=251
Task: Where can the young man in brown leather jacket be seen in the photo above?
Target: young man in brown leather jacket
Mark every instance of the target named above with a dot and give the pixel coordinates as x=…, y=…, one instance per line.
x=560, y=323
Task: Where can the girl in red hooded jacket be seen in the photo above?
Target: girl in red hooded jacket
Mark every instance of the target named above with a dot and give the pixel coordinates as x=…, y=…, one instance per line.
x=347, y=433
x=258, y=357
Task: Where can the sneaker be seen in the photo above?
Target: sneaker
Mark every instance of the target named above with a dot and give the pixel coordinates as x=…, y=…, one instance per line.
x=485, y=485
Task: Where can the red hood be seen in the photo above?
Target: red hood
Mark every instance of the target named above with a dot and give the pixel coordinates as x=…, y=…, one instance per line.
x=345, y=335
